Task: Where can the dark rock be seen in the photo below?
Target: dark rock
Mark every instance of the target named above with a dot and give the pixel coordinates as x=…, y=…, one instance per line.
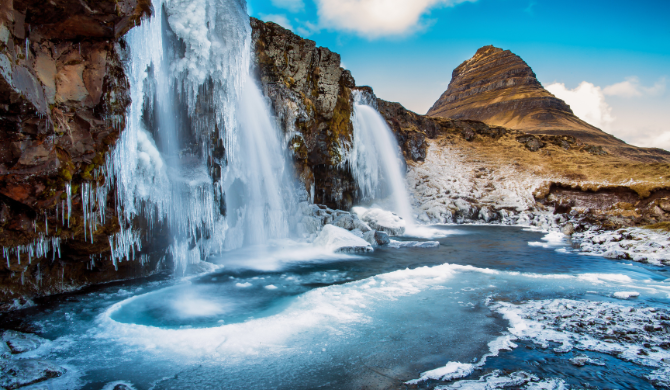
x=531, y=142
x=17, y=373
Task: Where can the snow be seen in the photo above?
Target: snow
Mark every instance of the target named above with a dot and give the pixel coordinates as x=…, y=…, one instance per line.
x=22, y=342
x=636, y=334
x=626, y=294
x=382, y=220
x=453, y=370
x=636, y=244
x=23, y=372
x=335, y=239
x=470, y=190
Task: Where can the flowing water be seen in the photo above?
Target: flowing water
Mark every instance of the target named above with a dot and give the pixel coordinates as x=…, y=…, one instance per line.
x=376, y=162
x=294, y=317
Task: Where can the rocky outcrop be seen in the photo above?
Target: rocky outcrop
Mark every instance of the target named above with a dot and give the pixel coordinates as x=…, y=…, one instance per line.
x=311, y=95
x=63, y=98
x=467, y=170
x=497, y=87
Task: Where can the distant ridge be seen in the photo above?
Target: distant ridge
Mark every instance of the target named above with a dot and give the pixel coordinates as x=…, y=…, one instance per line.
x=497, y=87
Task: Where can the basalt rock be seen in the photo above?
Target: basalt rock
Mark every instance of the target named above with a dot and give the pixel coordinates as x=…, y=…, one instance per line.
x=63, y=99
x=497, y=87
x=311, y=94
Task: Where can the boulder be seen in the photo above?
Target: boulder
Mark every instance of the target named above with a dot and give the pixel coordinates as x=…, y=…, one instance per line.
x=376, y=238
x=22, y=342
x=568, y=229
x=345, y=221
x=23, y=372
x=338, y=240
x=382, y=220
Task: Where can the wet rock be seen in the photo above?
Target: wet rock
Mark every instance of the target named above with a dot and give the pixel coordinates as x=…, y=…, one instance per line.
x=376, y=238
x=17, y=373
x=5, y=352
x=568, y=229
x=22, y=342
x=345, y=221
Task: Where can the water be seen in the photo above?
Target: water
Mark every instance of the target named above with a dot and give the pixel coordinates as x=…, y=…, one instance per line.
x=200, y=154
x=376, y=162
x=292, y=316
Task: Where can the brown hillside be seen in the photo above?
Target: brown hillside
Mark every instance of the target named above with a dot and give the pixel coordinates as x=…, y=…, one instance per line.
x=497, y=87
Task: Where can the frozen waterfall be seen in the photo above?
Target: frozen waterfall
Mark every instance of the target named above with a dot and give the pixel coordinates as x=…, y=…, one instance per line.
x=200, y=154
x=376, y=161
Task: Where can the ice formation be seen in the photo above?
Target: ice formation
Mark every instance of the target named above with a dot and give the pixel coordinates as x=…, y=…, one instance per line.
x=192, y=97
x=636, y=334
x=336, y=239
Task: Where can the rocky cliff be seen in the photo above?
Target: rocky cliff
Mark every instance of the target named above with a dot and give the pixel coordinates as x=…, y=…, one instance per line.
x=311, y=95
x=497, y=87
x=63, y=98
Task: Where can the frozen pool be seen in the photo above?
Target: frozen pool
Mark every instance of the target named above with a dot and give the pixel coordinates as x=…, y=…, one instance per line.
x=492, y=306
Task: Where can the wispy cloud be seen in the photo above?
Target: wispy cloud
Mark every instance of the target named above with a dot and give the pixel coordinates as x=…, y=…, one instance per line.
x=289, y=5
x=281, y=20
x=587, y=102
x=631, y=88
x=377, y=18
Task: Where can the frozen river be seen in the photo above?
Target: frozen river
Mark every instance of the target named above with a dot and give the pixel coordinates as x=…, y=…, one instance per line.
x=492, y=306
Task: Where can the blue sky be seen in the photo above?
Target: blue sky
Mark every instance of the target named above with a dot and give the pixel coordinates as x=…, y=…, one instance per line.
x=610, y=60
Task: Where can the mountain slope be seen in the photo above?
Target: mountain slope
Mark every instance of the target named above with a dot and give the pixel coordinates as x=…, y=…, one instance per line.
x=497, y=87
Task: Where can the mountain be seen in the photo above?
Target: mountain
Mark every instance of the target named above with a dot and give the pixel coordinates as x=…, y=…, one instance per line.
x=496, y=86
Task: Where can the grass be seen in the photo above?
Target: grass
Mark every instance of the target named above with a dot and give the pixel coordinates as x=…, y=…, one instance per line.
x=665, y=226
x=572, y=167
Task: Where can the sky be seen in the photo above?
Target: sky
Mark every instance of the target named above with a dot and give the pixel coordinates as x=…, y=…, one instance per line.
x=610, y=60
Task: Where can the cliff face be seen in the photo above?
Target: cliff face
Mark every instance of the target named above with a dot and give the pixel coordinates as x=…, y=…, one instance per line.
x=311, y=95
x=497, y=87
x=63, y=98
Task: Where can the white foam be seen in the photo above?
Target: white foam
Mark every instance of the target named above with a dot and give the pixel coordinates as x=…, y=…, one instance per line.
x=626, y=294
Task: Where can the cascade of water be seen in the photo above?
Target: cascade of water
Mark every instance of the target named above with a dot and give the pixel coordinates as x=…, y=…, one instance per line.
x=259, y=188
x=187, y=158
x=376, y=161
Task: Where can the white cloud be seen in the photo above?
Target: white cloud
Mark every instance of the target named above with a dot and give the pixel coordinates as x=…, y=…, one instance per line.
x=642, y=121
x=281, y=20
x=307, y=29
x=376, y=18
x=290, y=5
x=587, y=102
x=632, y=88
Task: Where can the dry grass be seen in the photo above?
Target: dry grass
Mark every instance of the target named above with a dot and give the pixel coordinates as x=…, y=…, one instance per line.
x=570, y=167
x=665, y=226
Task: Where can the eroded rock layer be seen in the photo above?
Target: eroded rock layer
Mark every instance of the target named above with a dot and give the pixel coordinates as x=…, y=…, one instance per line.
x=497, y=87
x=63, y=100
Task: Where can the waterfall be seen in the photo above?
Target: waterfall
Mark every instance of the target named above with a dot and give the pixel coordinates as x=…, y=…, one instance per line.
x=376, y=161
x=260, y=185
x=186, y=160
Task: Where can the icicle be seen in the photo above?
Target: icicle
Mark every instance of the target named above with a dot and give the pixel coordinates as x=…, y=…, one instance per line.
x=84, y=202
x=68, y=190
